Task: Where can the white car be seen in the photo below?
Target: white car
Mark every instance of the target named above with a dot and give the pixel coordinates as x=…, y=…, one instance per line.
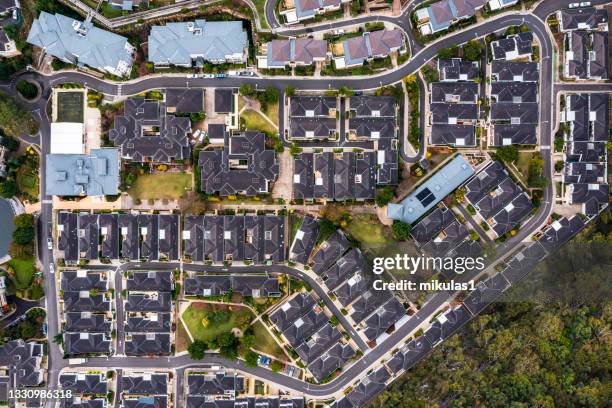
x=232, y=73
x=49, y=243
x=192, y=76
x=573, y=5
x=339, y=31
x=52, y=267
x=585, y=4
x=209, y=76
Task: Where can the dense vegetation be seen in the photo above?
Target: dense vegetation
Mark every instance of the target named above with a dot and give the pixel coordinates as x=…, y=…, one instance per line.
x=547, y=345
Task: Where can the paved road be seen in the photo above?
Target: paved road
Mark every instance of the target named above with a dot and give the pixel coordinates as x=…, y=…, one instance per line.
x=419, y=58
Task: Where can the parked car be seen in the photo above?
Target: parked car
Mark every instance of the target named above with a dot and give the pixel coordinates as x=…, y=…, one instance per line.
x=339, y=31
x=585, y=4
x=52, y=267
x=50, y=243
x=221, y=75
x=192, y=76
x=208, y=75
x=574, y=5
x=263, y=360
x=247, y=73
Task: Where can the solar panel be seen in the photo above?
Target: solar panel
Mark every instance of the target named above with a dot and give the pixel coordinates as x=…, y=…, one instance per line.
x=428, y=200
x=424, y=193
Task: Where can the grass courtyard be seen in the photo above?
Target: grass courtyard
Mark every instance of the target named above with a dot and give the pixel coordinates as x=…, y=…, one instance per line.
x=170, y=186
x=200, y=322
x=24, y=270
x=266, y=343
x=253, y=120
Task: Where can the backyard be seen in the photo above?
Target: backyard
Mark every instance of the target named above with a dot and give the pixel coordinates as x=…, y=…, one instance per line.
x=266, y=343
x=170, y=186
x=70, y=107
x=206, y=321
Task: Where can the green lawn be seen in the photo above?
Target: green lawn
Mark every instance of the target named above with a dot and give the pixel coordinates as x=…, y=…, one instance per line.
x=170, y=186
x=368, y=230
x=295, y=223
x=261, y=11
x=254, y=121
x=182, y=338
x=197, y=311
x=24, y=271
x=522, y=164
x=272, y=112
x=266, y=343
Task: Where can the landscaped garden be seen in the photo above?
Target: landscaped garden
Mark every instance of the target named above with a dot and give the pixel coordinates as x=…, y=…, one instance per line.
x=207, y=321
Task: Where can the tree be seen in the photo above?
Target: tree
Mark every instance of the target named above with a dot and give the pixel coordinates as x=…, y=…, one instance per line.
x=449, y=52
x=460, y=194
x=290, y=91
x=473, y=50
x=23, y=236
x=246, y=90
x=248, y=340
x=384, y=196
x=15, y=120
x=27, y=89
x=251, y=359
x=295, y=149
x=24, y=221
x=197, y=350
x=507, y=154
x=271, y=95
x=8, y=188
x=401, y=230
x=228, y=345
x=276, y=366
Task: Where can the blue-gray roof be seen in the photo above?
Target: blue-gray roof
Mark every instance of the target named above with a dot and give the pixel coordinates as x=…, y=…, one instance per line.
x=182, y=43
x=79, y=174
x=79, y=42
x=438, y=186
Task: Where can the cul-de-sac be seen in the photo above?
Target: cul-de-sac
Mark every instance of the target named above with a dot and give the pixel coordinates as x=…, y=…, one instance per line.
x=305, y=203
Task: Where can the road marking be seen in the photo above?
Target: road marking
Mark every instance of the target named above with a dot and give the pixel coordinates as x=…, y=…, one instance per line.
x=47, y=201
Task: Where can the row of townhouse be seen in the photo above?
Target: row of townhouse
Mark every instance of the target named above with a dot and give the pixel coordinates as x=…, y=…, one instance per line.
x=154, y=237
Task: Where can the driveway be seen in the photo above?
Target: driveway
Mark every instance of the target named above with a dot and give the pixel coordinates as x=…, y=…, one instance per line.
x=283, y=187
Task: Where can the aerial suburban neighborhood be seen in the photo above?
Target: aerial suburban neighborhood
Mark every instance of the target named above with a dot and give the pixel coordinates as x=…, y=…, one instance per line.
x=304, y=203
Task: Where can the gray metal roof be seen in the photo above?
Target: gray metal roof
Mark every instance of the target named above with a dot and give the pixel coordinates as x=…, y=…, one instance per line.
x=181, y=43
x=80, y=42
x=78, y=174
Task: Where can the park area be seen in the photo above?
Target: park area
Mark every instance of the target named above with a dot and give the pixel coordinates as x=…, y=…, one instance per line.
x=70, y=107
x=265, y=343
x=159, y=186
x=206, y=321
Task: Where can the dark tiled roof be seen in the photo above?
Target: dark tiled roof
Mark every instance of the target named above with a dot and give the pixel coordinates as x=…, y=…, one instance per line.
x=583, y=18
x=373, y=106
x=89, y=236
x=146, y=132
x=243, y=166
x=87, y=343
x=84, y=301
x=137, y=322
x=484, y=181
x=383, y=318
x=351, y=288
x=86, y=322
x=454, y=92
x=128, y=227
x=504, y=135
x=367, y=303
x=109, y=231
x=185, y=100
x=453, y=135
x=513, y=46
x=147, y=344
x=329, y=251
x=68, y=240
x=148, y=230
x=431, y=225
x=145, y=383
x=455, y=69
x=169, y=236
x=318, y=343
x=150, y=280
x=284, y=316
x=514, y=92
x=23, y=362
x=330, y=361
x=409, y=355
x=83, y=280
x=515, y=113
x=219, y=383
x=304, y=240
x=512, y=214
x=446, y=324
x=305, y=326
x=514, y=71
x=149, y=302
x=303, y=176
x=223, y=100
x=84, y=383
x=347, y=265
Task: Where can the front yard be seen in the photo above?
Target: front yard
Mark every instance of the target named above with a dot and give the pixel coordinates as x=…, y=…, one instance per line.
x=170, y=186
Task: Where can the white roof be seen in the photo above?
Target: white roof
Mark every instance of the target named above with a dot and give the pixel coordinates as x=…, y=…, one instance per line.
x=67, y=138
